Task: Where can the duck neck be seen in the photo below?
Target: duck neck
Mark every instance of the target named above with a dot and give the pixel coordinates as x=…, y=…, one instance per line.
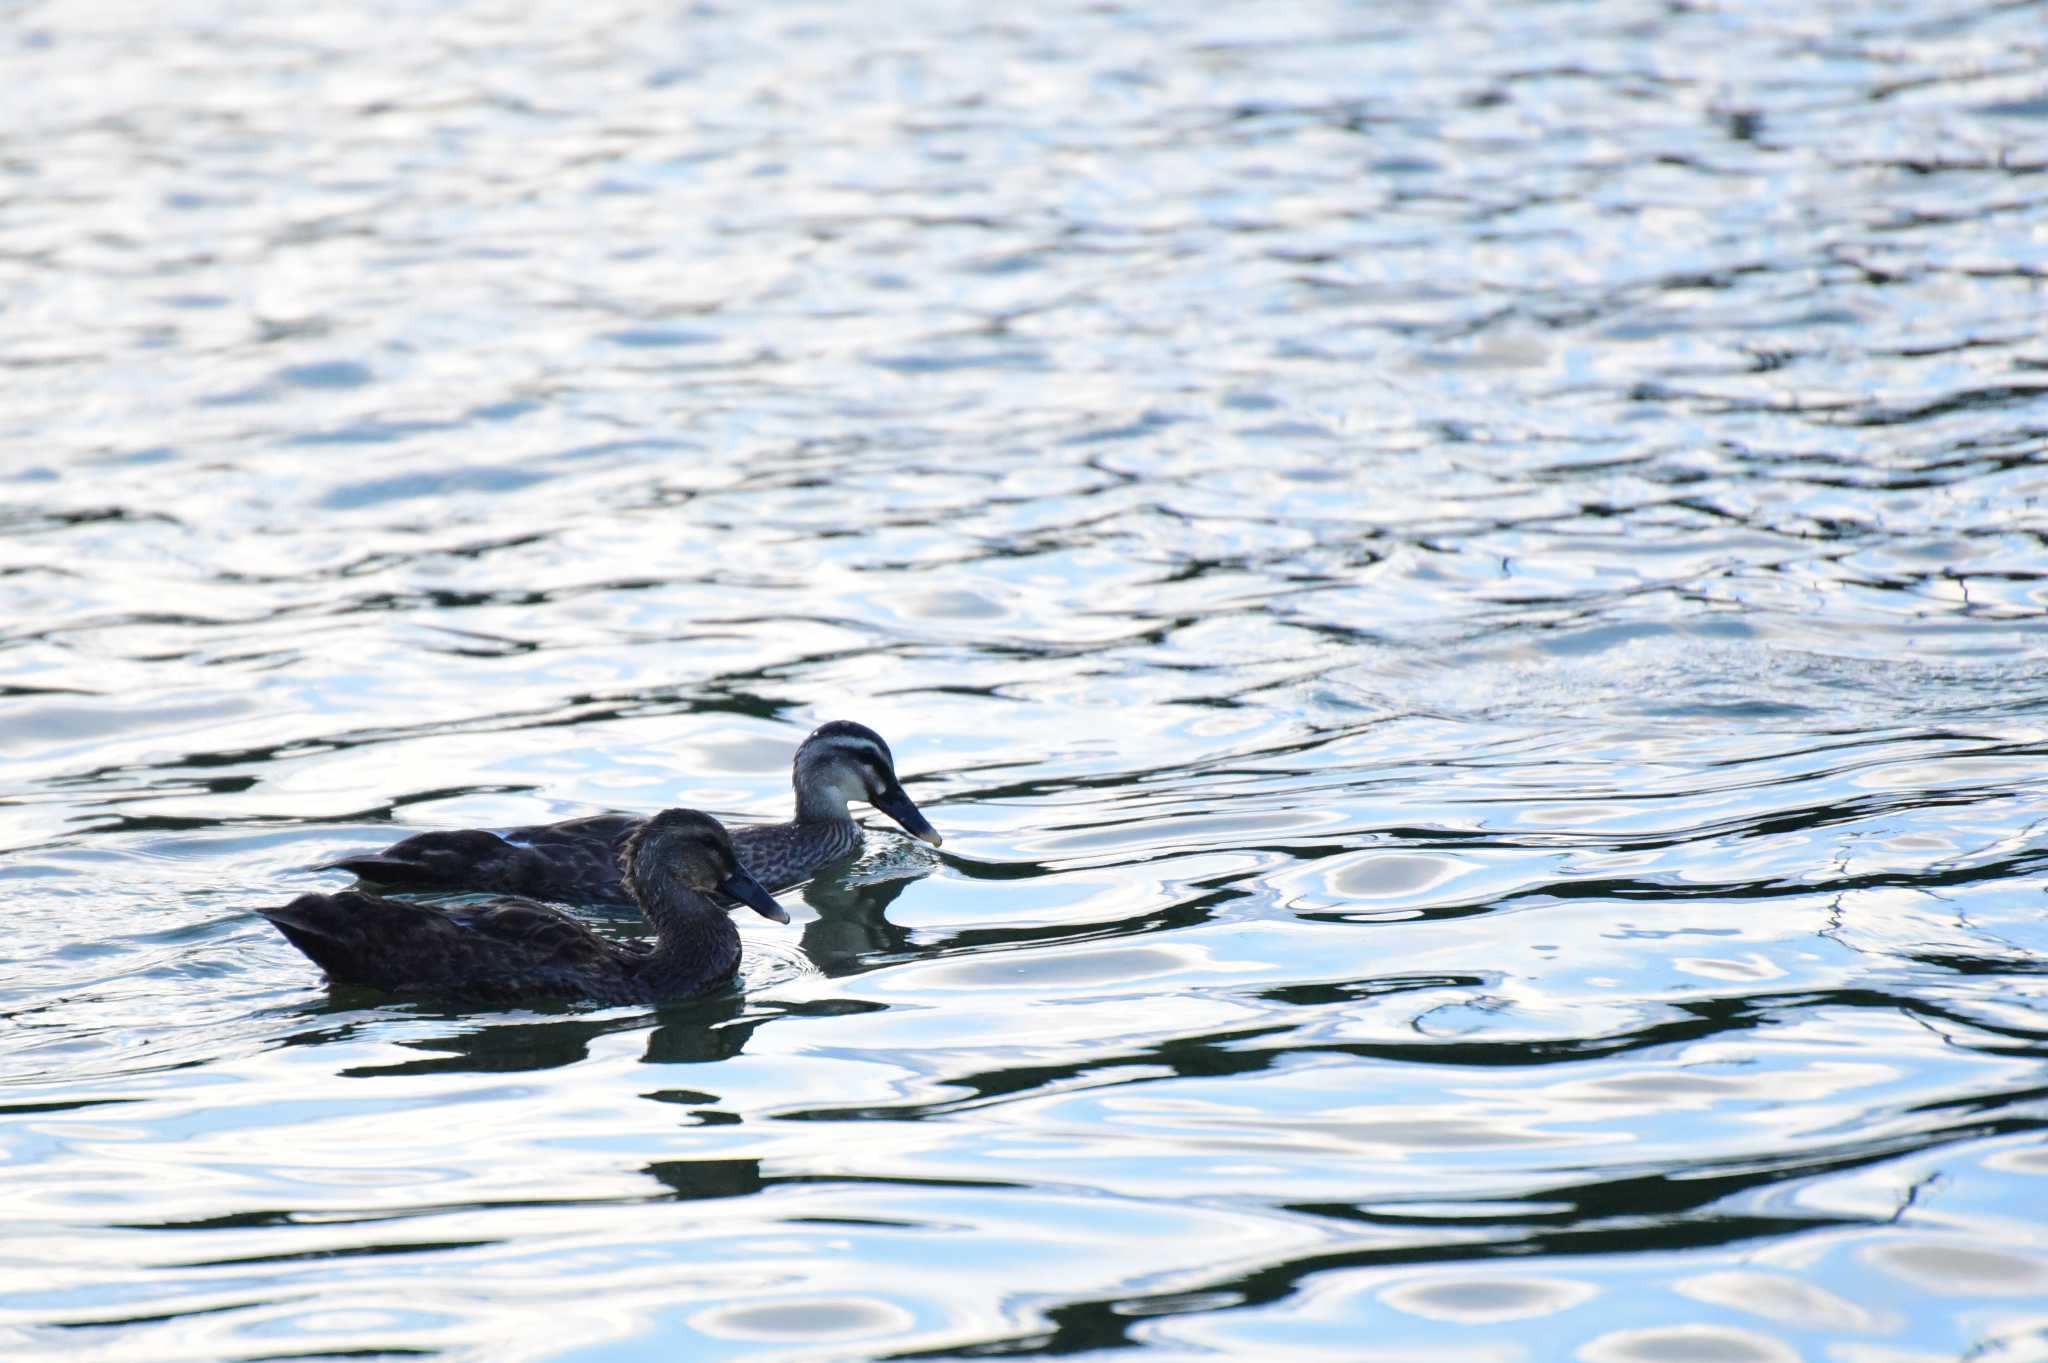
x=818, y=803
x=696, y=949
x=693, y=935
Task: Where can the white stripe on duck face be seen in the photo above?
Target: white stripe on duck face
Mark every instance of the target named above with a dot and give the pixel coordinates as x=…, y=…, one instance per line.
x=854, y=747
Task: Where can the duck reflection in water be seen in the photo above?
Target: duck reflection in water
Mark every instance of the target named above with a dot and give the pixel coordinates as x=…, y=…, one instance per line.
x=547, y=1034
x=506, y=950
x=577, y=861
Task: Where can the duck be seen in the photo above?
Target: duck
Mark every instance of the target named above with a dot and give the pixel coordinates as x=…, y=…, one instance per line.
x=510, y=950
x=576, y=861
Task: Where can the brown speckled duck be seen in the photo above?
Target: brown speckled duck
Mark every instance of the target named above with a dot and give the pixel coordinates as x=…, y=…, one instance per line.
x=507, y=950
x=577, y=861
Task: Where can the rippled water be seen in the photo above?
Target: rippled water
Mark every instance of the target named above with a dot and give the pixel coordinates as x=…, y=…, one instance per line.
x=1465, y=582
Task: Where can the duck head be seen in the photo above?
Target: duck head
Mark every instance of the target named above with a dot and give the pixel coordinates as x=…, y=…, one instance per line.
x=682, y=849
x=844, y=761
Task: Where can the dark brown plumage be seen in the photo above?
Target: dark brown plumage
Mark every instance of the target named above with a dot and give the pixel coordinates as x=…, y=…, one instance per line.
x=577, y=861
x=510, y=949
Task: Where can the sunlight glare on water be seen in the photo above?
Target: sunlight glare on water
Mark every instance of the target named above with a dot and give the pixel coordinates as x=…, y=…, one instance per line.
x=1465, y=584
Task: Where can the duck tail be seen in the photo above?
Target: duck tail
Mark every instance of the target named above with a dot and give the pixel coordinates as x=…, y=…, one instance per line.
x=456, y=859
x=356, y=937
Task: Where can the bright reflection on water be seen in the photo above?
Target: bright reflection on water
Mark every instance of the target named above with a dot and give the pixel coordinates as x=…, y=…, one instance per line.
x=1465, y=584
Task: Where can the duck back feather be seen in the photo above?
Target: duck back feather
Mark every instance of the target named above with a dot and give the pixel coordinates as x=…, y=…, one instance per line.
x=576, y=861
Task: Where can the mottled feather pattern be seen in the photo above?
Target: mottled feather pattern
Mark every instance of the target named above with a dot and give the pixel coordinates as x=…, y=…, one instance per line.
x=784, y=854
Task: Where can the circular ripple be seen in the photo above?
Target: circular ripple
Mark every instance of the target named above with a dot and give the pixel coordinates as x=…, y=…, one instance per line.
x=806, y=1319
x=1688, y=1344
x=1486, y=1301
x=1959, y=1271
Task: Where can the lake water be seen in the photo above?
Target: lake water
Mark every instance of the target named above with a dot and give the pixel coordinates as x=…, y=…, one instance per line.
x=1467, y=584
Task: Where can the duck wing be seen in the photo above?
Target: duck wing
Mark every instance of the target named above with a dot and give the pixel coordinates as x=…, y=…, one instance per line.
x=495, y=951
x=575, y=861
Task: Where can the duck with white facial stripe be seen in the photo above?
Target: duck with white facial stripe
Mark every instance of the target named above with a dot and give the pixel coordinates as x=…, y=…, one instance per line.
x=577, y=860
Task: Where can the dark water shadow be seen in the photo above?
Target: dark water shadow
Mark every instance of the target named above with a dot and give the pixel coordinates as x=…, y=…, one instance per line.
x=538, y=1037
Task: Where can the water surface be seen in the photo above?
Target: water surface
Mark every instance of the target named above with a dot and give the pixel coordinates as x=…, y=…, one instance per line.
x=1465, y=583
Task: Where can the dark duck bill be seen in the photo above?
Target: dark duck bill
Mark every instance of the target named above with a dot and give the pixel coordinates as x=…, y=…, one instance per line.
x=892, y=801
x=747, y=890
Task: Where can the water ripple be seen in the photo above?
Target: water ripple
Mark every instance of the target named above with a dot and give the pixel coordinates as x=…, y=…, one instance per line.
x=1463, y=584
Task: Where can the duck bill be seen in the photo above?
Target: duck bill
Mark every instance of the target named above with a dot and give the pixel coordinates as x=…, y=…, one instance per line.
x=897, y=806
x=743, y=887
